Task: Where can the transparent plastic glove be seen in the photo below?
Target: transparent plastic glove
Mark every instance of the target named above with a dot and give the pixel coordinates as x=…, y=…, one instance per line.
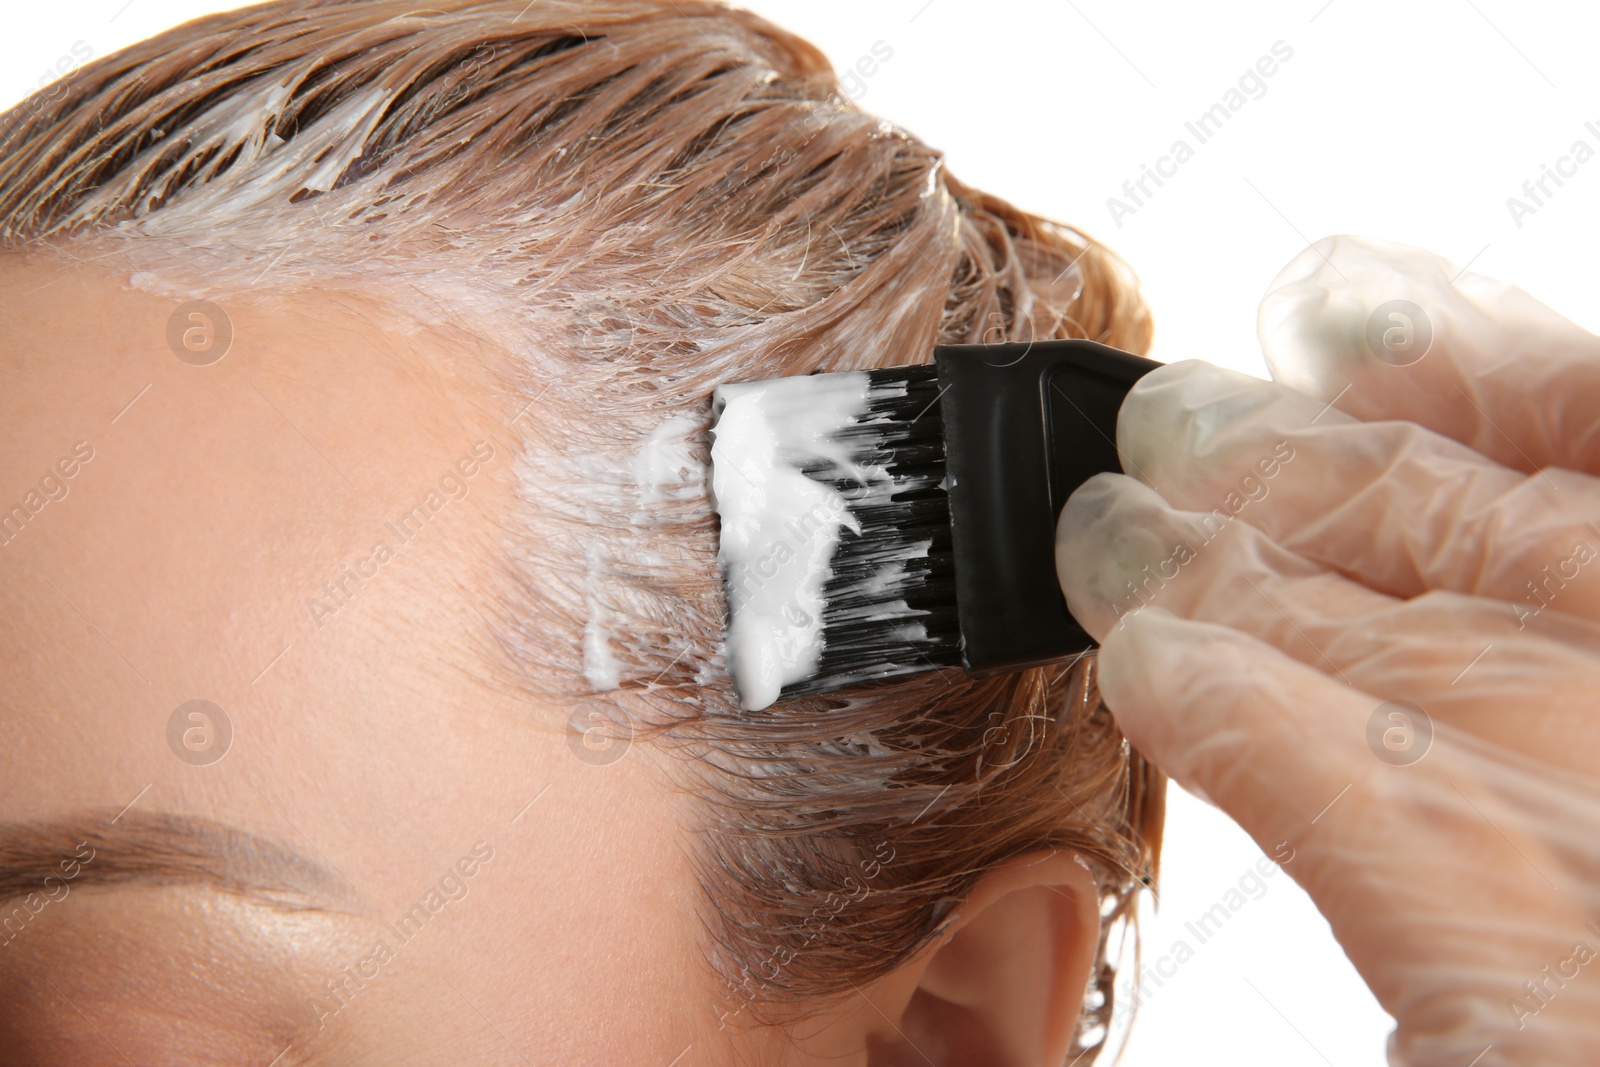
x=1370, y=632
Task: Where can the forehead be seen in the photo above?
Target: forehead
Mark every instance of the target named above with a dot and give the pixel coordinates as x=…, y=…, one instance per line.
x=197, y=619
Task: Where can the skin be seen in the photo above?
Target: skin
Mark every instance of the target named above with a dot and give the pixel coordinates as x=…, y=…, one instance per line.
x=375, y=741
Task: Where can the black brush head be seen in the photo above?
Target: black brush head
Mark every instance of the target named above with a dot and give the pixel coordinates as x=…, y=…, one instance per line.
x=891, y=601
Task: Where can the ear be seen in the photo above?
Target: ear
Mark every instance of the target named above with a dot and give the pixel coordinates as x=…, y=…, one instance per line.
x=1003, y=985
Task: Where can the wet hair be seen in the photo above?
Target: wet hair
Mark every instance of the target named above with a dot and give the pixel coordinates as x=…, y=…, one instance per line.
x=637, y=200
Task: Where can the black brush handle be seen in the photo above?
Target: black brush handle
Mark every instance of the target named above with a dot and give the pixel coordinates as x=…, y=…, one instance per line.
x=1025, y=424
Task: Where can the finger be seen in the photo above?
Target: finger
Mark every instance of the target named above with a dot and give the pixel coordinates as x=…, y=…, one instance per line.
x=1391, y=332
x=1267, y=739
x=1466, y=661
x=1394, y=505
x=1439, y=878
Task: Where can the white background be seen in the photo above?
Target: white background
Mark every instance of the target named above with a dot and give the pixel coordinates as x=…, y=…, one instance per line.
x=1413, y=120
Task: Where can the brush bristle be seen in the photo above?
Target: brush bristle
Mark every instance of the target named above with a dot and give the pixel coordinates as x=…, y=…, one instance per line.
x=891, y=599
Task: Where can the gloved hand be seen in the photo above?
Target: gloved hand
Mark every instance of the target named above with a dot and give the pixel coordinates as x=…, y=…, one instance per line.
x=1362, y=616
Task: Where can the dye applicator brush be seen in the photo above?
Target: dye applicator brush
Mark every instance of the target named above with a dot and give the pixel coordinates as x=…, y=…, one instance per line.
x=879, y=523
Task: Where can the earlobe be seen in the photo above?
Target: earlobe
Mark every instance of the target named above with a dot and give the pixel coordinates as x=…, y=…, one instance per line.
x=1005, y=985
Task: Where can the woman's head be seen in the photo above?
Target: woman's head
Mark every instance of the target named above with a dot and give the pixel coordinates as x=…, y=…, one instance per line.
x=433, y=537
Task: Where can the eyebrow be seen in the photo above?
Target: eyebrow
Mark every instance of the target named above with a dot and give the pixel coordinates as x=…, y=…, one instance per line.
x=156, y=849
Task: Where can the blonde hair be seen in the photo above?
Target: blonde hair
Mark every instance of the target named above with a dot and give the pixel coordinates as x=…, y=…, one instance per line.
x=640, y=200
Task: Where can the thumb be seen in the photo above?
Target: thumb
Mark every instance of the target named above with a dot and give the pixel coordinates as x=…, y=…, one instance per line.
x=1479, y=361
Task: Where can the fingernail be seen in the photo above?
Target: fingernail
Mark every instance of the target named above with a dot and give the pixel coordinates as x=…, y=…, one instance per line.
x=1317, y=325
x=1114, y=538
x=1185, y=413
